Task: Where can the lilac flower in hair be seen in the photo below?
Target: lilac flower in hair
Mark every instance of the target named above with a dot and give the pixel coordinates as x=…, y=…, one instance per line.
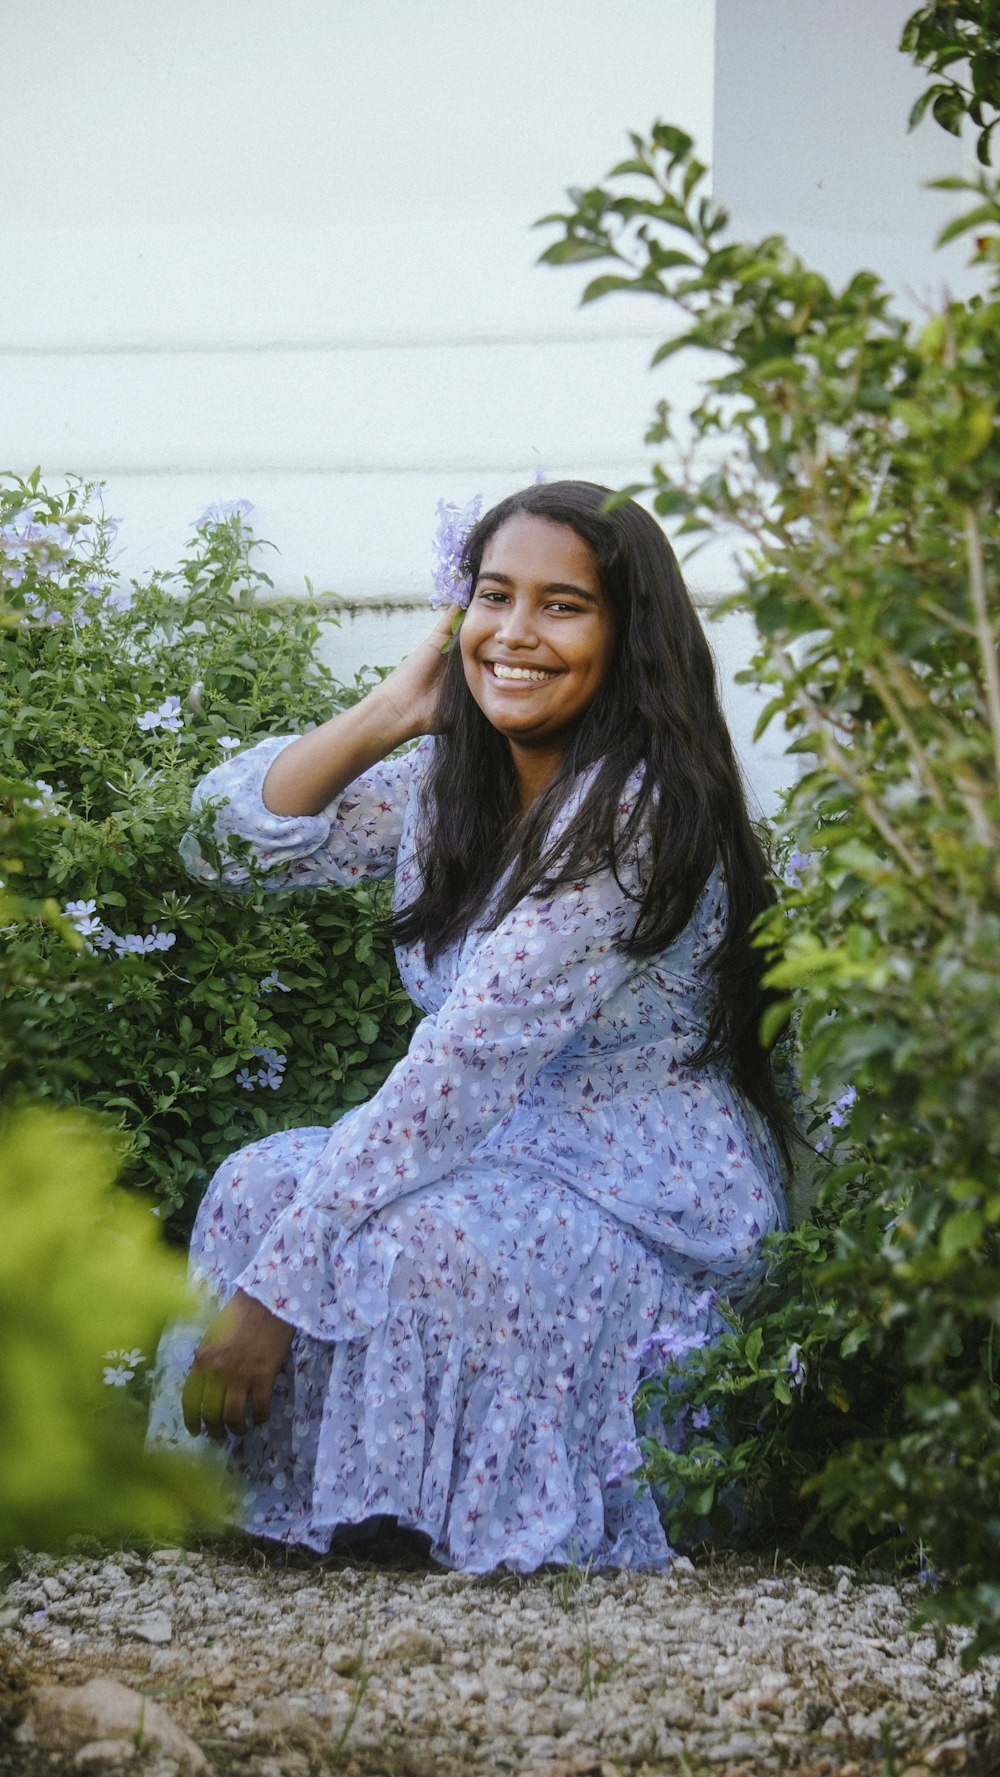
x=451, y=585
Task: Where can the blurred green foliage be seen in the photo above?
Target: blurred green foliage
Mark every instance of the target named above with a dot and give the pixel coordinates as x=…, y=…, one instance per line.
x=853, y=456
x=85, y=1284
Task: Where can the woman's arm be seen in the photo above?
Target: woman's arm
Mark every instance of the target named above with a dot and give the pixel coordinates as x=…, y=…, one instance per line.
x=325, y=807
x=314, y=769
x=529, y=987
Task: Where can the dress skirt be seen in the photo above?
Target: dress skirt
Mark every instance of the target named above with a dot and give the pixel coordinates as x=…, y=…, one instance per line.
x=493, y=1331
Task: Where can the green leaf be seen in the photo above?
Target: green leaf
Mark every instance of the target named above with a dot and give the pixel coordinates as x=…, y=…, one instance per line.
x=603, y=286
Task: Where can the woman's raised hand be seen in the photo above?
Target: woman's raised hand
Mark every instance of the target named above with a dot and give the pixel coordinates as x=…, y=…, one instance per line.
x=316, y=767
x=412, y=688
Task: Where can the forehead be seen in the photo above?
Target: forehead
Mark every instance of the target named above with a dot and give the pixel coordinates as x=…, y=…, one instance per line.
x=536, y=549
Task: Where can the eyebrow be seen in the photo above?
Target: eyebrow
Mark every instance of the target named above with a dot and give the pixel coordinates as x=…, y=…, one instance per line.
x=577, y=592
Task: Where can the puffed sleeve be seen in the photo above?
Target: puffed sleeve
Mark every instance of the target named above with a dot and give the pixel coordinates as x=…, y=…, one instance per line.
x=530, y=984
x=356, y=836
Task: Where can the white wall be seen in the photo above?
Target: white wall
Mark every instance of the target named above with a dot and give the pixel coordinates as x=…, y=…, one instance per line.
x=283, y=251
x=810, y=140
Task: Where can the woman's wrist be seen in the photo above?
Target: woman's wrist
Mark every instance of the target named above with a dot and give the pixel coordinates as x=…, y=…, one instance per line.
x=311, y=771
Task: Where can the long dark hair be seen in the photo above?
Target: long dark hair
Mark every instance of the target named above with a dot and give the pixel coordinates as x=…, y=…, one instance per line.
x=658, y=706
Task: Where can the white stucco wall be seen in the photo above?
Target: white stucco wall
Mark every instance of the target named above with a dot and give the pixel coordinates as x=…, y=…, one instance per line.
x=284, y=252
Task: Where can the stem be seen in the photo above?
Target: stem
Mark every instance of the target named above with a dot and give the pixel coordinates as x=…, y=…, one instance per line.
x=840, y=763
x=899, y=716
x=984, y=629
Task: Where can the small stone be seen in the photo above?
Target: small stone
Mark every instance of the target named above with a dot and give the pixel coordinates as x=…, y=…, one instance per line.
x=340, y=1658
x=406, y=1644
x=948, y=1755
x=681, y=1564
x=156, y=1628
x=102, y=1754
x=74, y=1719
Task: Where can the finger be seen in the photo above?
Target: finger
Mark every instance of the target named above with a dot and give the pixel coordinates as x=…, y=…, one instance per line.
x=234, y=1412
x=191, y=1395
x=213, y=1402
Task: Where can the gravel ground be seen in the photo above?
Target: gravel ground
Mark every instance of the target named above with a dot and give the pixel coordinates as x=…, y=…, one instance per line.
x=402, y=1670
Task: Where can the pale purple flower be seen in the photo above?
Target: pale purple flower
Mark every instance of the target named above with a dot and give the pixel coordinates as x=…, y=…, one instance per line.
x=25, y=540
x=229, y=743
x=119, y=598
x=701, y=1419
x=452, y=585
x=133, y=943
x=83, y=915
x=269, y=1074
x=168, y=716
x=797, y=862
x=626, y=1457
x=843, y=1104
x=222, y=512
x=271, y=981
x=46, y=797
x=155, y=940
x=672, y=1345
x=796, y=1368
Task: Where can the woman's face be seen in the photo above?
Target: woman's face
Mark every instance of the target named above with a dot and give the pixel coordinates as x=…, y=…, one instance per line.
x=538, y=636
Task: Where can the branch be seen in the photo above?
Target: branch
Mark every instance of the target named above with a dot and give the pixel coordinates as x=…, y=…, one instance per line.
x=984, y=629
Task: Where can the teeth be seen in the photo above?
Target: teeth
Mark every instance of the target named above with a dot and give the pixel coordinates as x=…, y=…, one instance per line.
x=533, y=677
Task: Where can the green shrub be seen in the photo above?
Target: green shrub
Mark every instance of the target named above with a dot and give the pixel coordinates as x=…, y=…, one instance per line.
x=855, y=457
x=196, y=1020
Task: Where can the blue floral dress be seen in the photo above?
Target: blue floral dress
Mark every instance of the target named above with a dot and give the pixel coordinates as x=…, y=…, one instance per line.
x=483, y=1261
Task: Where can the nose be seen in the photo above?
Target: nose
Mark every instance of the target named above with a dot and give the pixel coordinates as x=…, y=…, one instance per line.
x=517, y=627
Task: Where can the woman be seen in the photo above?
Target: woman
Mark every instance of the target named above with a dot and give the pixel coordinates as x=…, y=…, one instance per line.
x=439, y=1309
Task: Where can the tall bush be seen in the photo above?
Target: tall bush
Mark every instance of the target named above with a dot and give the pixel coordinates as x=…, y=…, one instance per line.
x=854, y=456
x=195, y=1020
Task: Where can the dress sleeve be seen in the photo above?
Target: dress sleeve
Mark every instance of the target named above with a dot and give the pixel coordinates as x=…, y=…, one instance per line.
x=356, y=836
x=530, y=984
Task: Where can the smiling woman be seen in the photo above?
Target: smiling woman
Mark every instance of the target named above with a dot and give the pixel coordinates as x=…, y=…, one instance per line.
x=536, y=641
x=440, y=1309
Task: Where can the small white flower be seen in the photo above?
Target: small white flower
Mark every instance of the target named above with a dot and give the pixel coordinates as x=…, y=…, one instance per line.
x=121, y=1366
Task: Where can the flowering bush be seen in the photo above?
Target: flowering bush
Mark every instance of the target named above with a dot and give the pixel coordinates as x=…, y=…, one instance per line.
x=196, y=1020
x=855, y=455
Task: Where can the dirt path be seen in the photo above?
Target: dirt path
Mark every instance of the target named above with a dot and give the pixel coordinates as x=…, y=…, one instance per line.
x=406, y=1671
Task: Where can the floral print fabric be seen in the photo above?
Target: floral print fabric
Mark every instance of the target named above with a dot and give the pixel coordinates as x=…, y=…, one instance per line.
x=480, y=1261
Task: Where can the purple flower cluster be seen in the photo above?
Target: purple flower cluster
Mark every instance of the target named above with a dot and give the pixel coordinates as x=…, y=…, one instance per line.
x=270, y=1073
x=84, y=916
x=222, y=512
x=452, y=585
x=168, y=716
x=842, y=1106
x=626, y=1457
x=26, y=541
x=797, y=861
